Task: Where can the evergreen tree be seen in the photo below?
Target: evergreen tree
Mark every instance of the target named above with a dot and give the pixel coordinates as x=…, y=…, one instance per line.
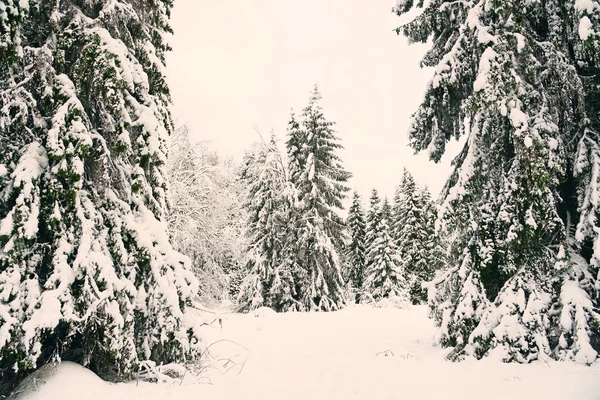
x=419, y=247
x=405, y=206
x=384, y=276
x=293, y=275
x=386, y=212
x=373, y=218
x=263, y=171
x=320, y=186
x=287, y=280
x=288, y=275
x=356, y=248
x=515, y=77
x=235, y=279
x=86, y=269
x=397, y=212
x=431, y=255
x=295, y=150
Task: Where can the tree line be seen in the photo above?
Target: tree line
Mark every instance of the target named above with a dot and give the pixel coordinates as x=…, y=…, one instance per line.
x=302, y=255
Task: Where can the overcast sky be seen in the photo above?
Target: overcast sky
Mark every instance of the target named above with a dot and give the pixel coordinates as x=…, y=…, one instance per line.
x=240, y=64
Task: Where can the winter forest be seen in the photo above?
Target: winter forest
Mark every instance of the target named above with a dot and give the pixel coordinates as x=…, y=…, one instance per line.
x=138, y=260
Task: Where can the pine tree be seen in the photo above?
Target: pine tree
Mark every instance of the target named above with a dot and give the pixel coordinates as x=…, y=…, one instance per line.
x=583, y=39
x=320, y=186
x=356, y=248
x=235, y=279
x=287, y=279
x=373, y=218
x=386, y=211
x=397, y=213
x=431, y=252
x=419, y=247
x=512, y=76
x=290, y=275
x=265, y=176
x=295, y=150
x=405, y=206
x=384, y=276
x=86, y=269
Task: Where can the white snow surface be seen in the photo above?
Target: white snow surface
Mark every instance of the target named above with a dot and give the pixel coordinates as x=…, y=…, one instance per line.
x=586, y=29
x=485, y=67
x=586, y=5
x=357, y=353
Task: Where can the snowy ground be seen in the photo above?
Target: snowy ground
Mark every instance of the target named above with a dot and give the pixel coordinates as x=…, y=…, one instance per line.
x=340, y=355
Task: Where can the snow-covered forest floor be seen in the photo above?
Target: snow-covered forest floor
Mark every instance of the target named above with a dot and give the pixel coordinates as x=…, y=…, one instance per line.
x=357, y=353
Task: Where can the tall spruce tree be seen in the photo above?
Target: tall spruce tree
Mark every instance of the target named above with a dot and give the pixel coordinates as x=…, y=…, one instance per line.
x=419, y=248
x=321, y=188
x=386, y=212
x=356, y=247
x=264, y=173
x=405, y=206
x=516, y=78
x=397, y=212
x=87, y=273
x=384, y=275
x=433, y=246
x=294, y=148
x=294, y=276
x=373, y=218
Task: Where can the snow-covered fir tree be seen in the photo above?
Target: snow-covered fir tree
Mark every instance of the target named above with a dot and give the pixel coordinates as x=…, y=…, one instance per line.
x=419, y=248
x=235, y=279
x=384, y=275
x=87, y=272
x=321, y=187
x=515, y=77
x=387, y=212
x=405, y=204
x=355, y=250
x=434, y=248
x=373, y=218
x=296, y=157
x=582, y=32
x=290, y=276
x=264, y=173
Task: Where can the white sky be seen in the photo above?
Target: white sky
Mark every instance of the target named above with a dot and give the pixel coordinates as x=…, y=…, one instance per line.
x=240, y=64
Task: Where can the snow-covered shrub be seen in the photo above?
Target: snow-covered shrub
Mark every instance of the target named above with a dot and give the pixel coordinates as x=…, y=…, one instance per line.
x=205, y=215
x=396, y=301
x=263, y=312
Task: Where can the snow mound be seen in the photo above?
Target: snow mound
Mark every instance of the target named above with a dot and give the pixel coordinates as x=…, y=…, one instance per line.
x=226, y=305
x=50, y=381
x=263, y=312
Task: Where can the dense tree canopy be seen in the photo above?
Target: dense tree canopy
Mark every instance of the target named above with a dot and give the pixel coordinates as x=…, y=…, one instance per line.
x=515, y=77
x=87, y=272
